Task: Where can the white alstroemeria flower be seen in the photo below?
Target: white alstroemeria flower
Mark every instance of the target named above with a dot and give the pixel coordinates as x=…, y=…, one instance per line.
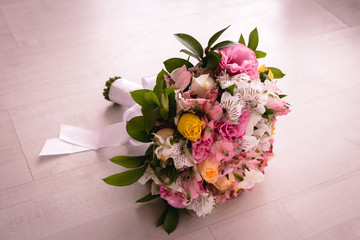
x=181, y=155
x=250, y=179
x=148, y=174
x=264, y=143
x=181, y=106
x=240, y=80
x=202, y=205
x=232, y=105
x=155, y=188
x=176, y=186
x=262, y=128
x=164, y=148
x=248, y=143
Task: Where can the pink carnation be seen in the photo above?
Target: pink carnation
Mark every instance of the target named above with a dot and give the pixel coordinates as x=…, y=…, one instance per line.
x=238, y=59
x=201, y=149
x=175, y=199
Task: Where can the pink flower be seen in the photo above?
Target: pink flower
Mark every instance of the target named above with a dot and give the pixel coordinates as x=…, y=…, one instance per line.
x=277, y=104
x=222, y=150
x=179, y=78
x=201, y=149
x=213, y=110
x=192, y=183
x=175, y=199
x=228, y=131
x=212, y=93
x=239, y=59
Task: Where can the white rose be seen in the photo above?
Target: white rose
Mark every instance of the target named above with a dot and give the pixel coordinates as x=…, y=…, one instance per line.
x=201, y=84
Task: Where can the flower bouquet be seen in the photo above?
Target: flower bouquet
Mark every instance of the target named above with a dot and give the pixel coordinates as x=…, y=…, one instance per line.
x=210, y=127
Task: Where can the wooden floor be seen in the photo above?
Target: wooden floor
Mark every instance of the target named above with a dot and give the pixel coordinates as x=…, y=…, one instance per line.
x=55, y=57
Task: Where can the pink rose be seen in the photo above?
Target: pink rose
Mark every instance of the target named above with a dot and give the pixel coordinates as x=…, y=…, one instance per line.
x=175, y=199
x=238, y=59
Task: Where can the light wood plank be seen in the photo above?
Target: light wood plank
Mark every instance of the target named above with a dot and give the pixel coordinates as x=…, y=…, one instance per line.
x=266, y=222
x=13, y=167
x=37, y=122
x=348, y=11
x=326, y=205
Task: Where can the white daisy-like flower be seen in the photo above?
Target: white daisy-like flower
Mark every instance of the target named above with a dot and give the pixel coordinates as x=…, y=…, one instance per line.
x=148, y=174
x=202, y=205
x=250, y=179
x=232, y=106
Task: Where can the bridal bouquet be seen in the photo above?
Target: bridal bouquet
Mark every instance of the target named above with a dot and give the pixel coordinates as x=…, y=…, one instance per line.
x=210, y=127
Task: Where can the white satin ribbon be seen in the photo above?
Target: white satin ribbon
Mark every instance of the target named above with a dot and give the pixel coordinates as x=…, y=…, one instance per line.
x=74, y=139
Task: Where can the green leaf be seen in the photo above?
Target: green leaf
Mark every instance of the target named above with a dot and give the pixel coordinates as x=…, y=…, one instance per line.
x=174, y=63
x=253, y=39
x=216, y=36
x=282, y=95
x=160, y=83
x=136, y=129
x=151, y=98
x=191, y=43
x=231, y=89
x=171, y=220
x=150, y=117
x=238, y=177
x=277, y=72
x=223, y=44
x=147, y=198
x=130, y=161
x=260, y=54
x=212, y=61
x=139, y=96
x=191, y=54
x=161, y=219
x=242, y=40
x=125, y=178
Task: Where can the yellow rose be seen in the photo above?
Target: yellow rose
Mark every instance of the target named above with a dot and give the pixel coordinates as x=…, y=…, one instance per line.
x=208, y=170
x=263, y=68
x=224, y=182
x=189, y=126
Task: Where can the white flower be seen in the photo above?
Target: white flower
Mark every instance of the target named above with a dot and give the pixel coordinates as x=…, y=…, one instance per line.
x=264, y=143
x=240, y=81
x=155, y=188
x=232, y=105
x=181, y=106
x=251, y=177
x=248, y=143
x=201, y=84
x=148, y=174
x=202, y=205
x=181, y=155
